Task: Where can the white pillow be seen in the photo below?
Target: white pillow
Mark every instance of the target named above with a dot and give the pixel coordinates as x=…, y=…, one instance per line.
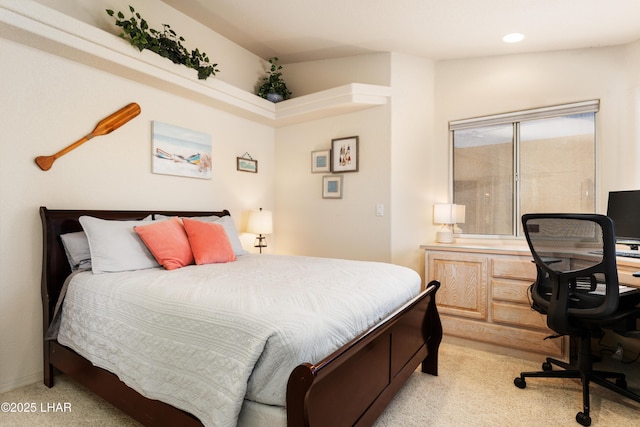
x=76, y=246
x=115, y=246
x=230, y=228
x=228, y=225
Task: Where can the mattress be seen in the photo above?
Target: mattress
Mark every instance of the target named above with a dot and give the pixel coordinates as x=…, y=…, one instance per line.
x=206, y=338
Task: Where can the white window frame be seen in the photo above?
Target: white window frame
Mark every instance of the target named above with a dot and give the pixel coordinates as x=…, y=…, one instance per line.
x=514, y=118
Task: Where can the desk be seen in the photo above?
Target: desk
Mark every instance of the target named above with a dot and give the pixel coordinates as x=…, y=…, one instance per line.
x=484, y=295
x=626, y=268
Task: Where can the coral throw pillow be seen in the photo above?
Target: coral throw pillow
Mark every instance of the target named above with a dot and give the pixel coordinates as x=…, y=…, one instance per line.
x=168, y=242
x=209, y=242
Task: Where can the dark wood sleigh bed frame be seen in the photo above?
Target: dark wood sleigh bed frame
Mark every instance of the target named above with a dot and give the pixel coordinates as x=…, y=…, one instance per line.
x=351, y=387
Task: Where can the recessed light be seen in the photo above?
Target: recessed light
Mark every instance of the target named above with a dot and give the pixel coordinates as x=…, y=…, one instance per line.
x=513, y=38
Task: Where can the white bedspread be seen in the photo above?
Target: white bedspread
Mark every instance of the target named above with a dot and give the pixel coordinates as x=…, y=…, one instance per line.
x=202, y=338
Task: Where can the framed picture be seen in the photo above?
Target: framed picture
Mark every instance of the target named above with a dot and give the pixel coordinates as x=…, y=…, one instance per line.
x=244, y=164
x=321, y=161
x=180, y=151
x=344, y=154
x=332, y=187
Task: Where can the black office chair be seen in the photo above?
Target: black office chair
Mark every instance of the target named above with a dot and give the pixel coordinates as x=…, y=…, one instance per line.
x=577, y=288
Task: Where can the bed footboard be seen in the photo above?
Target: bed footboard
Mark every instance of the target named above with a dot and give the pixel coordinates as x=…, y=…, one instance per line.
x=352, y=386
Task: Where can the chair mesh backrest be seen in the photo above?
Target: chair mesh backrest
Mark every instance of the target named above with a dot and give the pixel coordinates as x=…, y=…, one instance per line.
x=575, y=256
x=565, y=238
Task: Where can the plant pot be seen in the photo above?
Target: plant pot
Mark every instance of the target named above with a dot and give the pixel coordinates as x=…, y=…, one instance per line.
x=275, y=97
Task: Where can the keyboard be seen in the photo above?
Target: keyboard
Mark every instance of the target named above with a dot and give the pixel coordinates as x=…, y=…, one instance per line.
x=628, y=254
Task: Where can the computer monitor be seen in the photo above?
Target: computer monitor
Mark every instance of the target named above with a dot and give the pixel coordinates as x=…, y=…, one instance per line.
x=624, y=209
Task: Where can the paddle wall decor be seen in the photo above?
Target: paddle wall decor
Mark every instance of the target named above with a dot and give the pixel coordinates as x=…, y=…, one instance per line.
x=105, y=126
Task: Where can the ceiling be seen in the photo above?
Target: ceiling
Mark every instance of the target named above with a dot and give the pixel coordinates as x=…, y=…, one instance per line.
x=305, y=30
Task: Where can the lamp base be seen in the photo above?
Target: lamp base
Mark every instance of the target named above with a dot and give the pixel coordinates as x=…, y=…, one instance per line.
x=444, y=236
x=260, y=242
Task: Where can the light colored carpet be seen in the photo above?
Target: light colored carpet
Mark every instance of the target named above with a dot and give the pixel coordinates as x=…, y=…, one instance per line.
x=474, y=388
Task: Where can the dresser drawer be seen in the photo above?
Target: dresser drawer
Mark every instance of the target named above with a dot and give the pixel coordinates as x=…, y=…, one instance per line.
x=513, y=268
x=510, y=290
x=518, y=315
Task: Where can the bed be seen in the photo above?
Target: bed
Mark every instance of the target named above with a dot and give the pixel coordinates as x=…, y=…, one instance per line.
x=350, y=386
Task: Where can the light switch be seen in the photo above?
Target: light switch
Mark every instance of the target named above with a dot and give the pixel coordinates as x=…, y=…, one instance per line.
x=379, y=209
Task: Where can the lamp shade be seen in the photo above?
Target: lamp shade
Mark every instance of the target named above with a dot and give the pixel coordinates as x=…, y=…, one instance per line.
x=260, y=222
x=447, y=213
x=460, y=212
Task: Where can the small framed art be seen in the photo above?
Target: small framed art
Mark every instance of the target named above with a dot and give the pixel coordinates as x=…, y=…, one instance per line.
x=344, y=154
x=332, y=187
x=247, y=165
x=321, y=161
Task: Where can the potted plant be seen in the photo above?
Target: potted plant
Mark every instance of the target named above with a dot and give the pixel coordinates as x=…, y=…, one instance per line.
x=165, y=43
x=273, y=86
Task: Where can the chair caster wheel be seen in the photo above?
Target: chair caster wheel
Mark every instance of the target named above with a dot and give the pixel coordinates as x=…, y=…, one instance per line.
x=520, y=382
x=583, y=419
x=546, y=366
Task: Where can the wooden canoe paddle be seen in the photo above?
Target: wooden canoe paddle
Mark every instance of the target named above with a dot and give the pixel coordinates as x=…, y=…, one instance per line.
x=105, y=126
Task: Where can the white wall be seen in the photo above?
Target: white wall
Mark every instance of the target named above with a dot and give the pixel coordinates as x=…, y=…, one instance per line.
x=313, y=76
x=414, y=184
x=395, y=142
x=50, y=102
x=339, y=228
x=413, y=143
x=476, y=87
x=633, y=147
x=237, y=66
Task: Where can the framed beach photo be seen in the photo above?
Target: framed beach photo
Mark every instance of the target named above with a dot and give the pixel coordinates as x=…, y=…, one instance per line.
x=321, y=161
x=344, y=154
x=180, y=151
x=244, y=164
x=332, y=187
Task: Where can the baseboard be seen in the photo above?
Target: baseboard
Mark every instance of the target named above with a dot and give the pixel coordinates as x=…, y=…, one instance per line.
x=494, y=348
x=20, y=382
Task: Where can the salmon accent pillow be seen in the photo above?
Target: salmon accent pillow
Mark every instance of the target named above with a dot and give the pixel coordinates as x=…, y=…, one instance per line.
x=209, y=242
x=168, y=242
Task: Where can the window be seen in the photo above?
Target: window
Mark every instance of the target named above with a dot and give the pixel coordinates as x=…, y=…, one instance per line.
x=506, y=165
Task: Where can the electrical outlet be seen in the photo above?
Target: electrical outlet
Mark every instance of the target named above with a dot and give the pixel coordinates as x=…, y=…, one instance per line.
x=619, y=354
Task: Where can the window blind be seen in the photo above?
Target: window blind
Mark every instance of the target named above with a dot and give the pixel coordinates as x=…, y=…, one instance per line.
x=519, y=116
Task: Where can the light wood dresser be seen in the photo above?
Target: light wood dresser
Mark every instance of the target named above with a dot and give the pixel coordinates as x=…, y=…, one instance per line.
x=484, y=295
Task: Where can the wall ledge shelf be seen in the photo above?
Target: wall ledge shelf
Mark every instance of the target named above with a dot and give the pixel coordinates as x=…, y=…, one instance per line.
x=40, y=27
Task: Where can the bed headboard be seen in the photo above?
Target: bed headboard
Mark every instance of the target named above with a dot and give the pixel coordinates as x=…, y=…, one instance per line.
x=55, y=267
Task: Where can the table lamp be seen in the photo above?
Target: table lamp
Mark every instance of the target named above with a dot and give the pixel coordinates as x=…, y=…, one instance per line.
x=448, y=215
x=260, y=223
